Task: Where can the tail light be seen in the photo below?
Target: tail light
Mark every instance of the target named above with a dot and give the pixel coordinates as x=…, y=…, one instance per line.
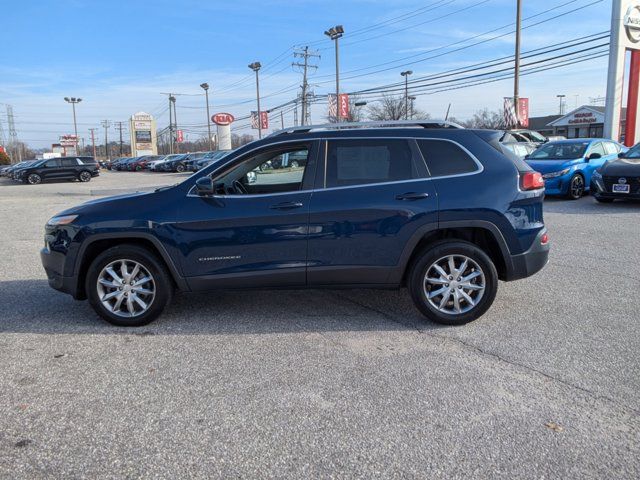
x=531, y=181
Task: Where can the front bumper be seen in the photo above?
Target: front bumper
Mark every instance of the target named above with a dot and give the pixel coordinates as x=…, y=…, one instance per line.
x=602, y=189
x=557, y=185
x=53, y=263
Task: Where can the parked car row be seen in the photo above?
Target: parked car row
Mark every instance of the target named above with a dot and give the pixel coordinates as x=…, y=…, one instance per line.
x=34, y=172
x=184, y=162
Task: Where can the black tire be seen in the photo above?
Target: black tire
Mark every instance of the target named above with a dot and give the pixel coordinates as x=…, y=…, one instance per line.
x=423, y=264
x=33, y=179
x=84, y=176
x=576, y=187
x=604, y=200
x=163, y=284
x=180, y=168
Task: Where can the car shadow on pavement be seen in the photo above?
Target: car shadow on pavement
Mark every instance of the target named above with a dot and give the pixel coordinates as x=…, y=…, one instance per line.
x=31, y=306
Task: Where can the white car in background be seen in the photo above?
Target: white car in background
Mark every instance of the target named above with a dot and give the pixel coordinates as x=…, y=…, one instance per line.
x=152, y=165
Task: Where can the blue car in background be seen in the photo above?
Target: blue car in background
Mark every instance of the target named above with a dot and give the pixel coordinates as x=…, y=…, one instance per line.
x=567, y=165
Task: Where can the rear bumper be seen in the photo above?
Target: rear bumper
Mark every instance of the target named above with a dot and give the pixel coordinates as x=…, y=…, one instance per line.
x=530, y=262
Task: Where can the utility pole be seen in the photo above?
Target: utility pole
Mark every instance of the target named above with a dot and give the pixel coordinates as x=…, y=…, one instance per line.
x=119, y=127
x=305, y=54
x=106, y=124
x=172, y=99
x=413, y=99
x=255, y=66
x=406, y=74
x=334, y=33
x=13, y=136
x=516, y=76
x=93, y=141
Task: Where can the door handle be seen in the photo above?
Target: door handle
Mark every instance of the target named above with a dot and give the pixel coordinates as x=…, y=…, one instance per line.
x=412, y=196
x=286, y=206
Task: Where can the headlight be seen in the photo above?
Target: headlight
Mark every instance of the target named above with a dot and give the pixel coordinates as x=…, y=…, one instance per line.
x=61, y=220
x=556, y=174
x=597, y=175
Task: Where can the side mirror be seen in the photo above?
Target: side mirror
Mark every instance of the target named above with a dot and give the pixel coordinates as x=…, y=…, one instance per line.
x=204, y=186
x=621, y=155
x=526, y=157
x=594, y=156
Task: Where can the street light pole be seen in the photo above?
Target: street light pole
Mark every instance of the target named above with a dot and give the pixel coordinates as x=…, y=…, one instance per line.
x=406, y=74
x=334, y=33
x=205, y=87
x=73, y=101
x=412, y=98
x=561, y=97
x=255, y=66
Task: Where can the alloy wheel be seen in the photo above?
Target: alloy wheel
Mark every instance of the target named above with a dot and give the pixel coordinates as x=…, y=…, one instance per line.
x=34, y=179
x=126, y=288
x=454, y=284
x=577, y=186
x=85, y=176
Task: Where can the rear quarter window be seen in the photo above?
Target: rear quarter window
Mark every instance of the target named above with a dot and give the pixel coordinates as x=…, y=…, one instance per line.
x=446, y=158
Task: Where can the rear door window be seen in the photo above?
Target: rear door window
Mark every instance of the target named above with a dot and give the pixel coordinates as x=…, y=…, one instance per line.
x=69, y=162
x=611, y=148
x=369, y=161
x=446, y=158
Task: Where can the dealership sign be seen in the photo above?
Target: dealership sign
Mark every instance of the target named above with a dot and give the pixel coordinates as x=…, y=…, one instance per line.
x=222, y=119
x=631, y=22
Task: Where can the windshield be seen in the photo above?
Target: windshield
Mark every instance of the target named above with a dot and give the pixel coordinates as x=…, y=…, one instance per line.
x=560, y=151
x=633, y=152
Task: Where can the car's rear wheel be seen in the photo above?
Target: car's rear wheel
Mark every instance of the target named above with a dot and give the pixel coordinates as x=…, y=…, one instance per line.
x=84, y=176
x=180, y=168
x=128, y=286
x=453, y=282
x=34, y=179
x=576, y=187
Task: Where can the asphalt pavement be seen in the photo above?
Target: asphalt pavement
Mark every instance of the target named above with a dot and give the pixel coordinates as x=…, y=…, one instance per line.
x=338, y=384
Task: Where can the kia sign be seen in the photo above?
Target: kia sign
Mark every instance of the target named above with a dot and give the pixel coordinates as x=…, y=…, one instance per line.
x=343, y=110
x=179, y=136
x=523, y=112
x=222, y=119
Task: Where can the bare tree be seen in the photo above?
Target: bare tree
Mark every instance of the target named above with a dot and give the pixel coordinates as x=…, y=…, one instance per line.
x=393, y=108
x=485, y=119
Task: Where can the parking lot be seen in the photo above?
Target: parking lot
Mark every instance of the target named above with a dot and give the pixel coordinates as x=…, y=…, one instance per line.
x=325, y=383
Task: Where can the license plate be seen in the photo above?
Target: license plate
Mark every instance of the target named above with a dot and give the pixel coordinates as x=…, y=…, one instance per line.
x=620, y=188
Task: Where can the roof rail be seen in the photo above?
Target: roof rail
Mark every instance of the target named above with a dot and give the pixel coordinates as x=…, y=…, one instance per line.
x=375, y=124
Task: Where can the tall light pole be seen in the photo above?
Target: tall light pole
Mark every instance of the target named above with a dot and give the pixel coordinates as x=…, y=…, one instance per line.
x=406, y=74
x=73, y=101
x=205, y=87
x=334, y=33
x=561, y=97
x=255, y=66
x=413, y=99
x=516, y=76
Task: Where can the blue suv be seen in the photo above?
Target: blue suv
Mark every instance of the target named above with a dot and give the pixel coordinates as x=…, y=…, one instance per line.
x=427, y=205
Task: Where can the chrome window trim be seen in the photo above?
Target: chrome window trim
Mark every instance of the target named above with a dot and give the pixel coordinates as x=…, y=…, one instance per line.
x=326, y=152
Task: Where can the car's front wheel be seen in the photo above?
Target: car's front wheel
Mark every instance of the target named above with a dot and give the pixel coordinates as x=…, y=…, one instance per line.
x=128, y=286
x=180, y=168
x=453, y=282
x=576, y=187
x=34, y=179
x=84, y=176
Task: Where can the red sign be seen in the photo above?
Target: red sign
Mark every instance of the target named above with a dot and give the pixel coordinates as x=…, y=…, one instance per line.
x=343, y=110
x=523, y=112
x=179, y=136
x=264, y=120
x=222, y=119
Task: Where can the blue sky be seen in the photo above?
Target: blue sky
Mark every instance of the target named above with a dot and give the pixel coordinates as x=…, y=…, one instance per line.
x=119, y=56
